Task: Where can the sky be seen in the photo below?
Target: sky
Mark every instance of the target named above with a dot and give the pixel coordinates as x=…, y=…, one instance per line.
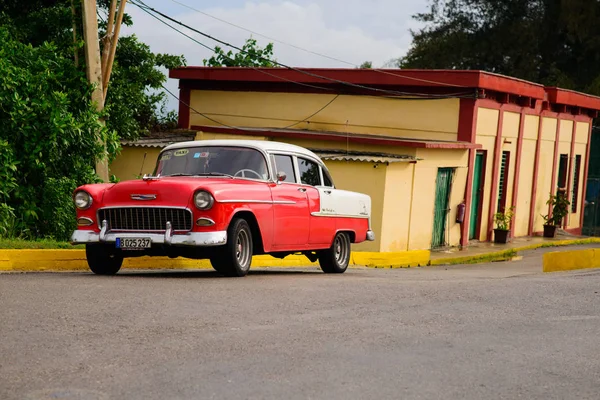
x=352, y=31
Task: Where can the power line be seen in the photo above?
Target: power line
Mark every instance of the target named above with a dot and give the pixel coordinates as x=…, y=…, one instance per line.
x=391, y=92
x=313, y=52
x=229, y=58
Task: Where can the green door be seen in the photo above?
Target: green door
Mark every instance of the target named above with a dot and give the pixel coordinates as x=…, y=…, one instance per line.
x=477, y=196
x=442, y=199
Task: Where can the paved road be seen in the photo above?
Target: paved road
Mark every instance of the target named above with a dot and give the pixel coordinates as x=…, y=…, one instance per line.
x=500, y=331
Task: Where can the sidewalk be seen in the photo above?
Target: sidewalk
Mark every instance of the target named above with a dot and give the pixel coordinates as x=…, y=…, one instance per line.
x=488, y=251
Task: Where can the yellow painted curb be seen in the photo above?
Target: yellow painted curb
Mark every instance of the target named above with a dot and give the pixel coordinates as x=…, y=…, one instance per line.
x=509, y=253
x=571, y=260
x=74, y=260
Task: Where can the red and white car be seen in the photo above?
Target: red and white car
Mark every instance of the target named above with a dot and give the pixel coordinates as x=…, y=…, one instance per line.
x=223, y=200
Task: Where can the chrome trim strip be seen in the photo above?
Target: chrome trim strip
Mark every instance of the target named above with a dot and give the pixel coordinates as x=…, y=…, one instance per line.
x=257, y=201
x=320, y=214
x=202, y=239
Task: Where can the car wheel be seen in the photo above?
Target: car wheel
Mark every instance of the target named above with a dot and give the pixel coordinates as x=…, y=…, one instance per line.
x=234, y=258
x=335, y=259
x=103, y=260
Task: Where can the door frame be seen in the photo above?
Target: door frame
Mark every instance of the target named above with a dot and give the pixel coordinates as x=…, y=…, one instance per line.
x=479, y=210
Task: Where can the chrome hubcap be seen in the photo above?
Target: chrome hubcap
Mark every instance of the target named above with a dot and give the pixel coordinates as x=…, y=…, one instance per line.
x=341, y=250
x=242, y=253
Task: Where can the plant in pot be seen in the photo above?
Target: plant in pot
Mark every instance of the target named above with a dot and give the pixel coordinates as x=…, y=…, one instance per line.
x=560, y=208
x=503, y=221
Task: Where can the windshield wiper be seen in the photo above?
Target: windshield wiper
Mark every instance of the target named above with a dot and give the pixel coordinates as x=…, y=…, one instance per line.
x=179, y=174
x=214, y=174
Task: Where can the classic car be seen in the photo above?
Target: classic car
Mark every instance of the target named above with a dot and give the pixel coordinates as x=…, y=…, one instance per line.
x=223, y=200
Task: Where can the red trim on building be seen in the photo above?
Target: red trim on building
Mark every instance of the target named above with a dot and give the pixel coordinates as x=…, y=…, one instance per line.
x=464, y=231
x=390, y=79
x=495, y=174
x=585, y=176
x=555, y=161
x=184, y=107
x=467, y=121
x=536, y=167
x=515, y=193
x=336, y=137
x=571, y=98
x=570, y=171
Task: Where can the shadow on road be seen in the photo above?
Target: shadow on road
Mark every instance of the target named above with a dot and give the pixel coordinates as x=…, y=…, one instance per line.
x=205, y=274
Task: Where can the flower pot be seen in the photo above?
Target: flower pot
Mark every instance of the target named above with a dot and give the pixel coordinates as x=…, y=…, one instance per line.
x=501, y=236
x=549, y=231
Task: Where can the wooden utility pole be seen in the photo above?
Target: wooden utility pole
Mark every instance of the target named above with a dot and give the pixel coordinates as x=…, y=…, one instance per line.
x=94, y=70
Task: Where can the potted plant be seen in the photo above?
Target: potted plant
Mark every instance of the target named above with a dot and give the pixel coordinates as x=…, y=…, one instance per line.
x=560, y=208
x=503, y=221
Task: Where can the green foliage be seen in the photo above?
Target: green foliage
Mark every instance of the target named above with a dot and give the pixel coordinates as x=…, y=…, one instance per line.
x=366, y=65
x=251, y=56
x=50, y=130
x=560, y=209
x=503, y=220
x=553, y=42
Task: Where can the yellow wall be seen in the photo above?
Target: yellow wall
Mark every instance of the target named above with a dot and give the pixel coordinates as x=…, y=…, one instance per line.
x=364, y=178
x=510, y=133
x=352, y=114
x=523, y=206
x=395, y=229
x=128, y=164
x=544, y=172
x=581, y=139
x=421, y=229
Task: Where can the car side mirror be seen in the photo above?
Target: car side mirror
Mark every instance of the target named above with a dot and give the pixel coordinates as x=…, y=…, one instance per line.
x=281, y=176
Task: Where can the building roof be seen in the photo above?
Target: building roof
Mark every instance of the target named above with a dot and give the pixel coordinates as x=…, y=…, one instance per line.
x=161, y=139
x=363, y=156
x=446, y=82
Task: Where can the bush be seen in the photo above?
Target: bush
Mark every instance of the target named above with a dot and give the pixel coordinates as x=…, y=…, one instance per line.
x=52, y=131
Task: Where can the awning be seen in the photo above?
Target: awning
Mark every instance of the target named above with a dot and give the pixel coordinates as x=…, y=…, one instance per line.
x=161, y=139
x=358, y=156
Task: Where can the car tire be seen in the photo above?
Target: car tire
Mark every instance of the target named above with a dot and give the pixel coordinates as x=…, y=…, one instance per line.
x=234, y=258
x=335, y=259
x=103, y=260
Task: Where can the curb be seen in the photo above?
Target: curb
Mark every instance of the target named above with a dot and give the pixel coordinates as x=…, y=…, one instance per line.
x=509, y=254
x=39, y=260
x=571, y=260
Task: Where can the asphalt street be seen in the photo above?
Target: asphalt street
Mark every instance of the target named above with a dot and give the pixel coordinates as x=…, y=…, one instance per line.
x=497, y=331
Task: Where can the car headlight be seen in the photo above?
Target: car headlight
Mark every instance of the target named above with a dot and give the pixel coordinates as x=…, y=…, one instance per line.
x=203, y=200
x=82, y=200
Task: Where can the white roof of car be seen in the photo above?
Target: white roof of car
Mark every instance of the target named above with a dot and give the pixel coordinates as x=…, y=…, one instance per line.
x=264, y=145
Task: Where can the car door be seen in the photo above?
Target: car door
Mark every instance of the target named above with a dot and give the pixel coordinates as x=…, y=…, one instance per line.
x=322, y=226
x=290, y=207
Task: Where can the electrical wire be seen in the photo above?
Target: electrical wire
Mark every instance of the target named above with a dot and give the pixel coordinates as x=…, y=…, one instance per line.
x=313, y=52
x=391, y=92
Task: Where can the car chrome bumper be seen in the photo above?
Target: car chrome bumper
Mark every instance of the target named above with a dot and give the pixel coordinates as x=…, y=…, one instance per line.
x=370, y=236
x=188, y=239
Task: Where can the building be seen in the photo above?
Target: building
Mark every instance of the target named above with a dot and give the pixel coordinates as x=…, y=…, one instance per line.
x=419, y=142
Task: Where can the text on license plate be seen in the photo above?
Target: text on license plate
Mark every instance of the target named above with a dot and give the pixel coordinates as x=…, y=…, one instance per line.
x=133, y=243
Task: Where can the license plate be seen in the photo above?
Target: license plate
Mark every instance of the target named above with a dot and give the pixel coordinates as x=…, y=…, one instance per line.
x=133, y=243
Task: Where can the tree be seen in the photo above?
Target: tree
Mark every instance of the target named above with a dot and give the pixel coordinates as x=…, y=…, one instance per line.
x=553, y=42
x=250, y=56
x=366, y=65
x=50, y=133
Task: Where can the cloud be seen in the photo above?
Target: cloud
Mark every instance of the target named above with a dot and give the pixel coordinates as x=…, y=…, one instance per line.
x=353, y=30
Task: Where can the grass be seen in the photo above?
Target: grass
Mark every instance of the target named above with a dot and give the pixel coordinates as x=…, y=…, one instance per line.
x=22, y=244
x=498, y=256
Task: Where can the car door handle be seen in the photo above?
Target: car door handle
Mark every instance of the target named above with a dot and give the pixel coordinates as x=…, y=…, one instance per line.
x=327, y=191
x=303, y=190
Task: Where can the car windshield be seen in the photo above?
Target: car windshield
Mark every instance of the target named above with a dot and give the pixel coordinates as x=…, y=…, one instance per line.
x=213, y=161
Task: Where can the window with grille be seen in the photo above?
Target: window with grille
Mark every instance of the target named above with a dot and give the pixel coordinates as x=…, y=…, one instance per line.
x=576, y=172
x=503, y=182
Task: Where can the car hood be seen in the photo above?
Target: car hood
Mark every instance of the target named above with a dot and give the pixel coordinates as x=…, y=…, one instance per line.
x=170, y=191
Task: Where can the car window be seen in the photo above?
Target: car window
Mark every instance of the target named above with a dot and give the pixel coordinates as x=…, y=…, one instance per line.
x=309, y=172
x=326, y=178
x=285, y=164
x=206, y=160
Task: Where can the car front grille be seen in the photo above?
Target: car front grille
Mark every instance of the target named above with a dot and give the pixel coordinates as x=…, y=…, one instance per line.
x=146, y=218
